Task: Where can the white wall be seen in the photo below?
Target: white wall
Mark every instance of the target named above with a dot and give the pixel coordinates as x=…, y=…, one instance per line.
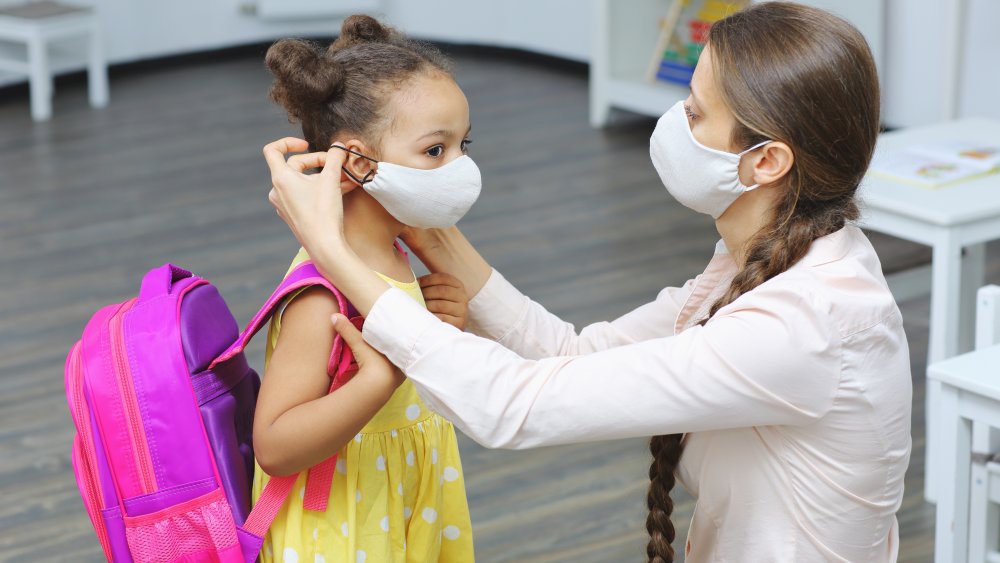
x=913, y=56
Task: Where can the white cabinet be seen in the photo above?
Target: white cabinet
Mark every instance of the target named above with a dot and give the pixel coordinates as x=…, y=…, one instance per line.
x=625, y=32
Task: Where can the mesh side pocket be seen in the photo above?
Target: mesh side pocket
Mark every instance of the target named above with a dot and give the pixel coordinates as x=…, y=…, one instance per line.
x=200, y=529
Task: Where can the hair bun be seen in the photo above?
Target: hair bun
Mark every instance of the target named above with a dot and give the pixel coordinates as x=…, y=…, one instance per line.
x=304, y=76
x=361, y=28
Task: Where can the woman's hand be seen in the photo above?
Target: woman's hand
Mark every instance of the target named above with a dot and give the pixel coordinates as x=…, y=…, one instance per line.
x=446, y=297
x=311, y=204
x=372, y=365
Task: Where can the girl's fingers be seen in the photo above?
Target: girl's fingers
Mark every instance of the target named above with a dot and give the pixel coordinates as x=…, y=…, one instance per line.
x=351, y=335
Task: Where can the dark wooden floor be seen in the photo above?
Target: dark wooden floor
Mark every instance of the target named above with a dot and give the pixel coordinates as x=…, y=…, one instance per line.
x=172, y=171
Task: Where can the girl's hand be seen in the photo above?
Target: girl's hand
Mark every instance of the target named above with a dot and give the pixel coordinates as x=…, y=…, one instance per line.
x=311, y=204
x=446, y=297
x=372, y=365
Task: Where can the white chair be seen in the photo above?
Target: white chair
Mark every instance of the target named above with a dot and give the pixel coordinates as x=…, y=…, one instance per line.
x=967, y=526
x=36, y=25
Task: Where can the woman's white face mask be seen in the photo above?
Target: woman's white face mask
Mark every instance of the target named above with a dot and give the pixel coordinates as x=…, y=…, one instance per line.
x=435, y=198
x=703, y=179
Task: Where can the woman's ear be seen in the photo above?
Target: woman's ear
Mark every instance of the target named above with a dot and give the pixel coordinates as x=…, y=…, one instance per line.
x=359, y=167
x=770, y=163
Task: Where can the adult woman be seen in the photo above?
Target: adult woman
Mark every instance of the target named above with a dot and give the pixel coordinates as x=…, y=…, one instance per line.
x=784, y=363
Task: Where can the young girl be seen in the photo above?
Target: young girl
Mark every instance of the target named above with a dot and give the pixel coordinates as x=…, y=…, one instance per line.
x=397, y=492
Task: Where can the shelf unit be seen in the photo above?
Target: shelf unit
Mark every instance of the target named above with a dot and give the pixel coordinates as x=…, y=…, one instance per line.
x=625, y=33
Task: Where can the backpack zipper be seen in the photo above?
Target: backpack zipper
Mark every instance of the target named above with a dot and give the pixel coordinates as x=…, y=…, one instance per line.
x=84, y=446
x=140, y=448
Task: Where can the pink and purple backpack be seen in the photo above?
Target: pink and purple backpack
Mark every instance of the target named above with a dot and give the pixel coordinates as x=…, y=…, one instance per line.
x=163, y=400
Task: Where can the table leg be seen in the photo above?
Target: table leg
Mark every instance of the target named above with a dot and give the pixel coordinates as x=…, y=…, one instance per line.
x=40, y=79
x=97, y=71
x=943, y=341
x=952, y=518
x=973, y=270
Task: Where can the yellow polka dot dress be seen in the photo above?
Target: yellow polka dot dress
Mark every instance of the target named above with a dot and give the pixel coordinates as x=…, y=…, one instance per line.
x=397, y=495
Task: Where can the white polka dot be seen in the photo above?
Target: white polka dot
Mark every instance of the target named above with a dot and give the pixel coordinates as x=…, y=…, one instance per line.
x=409, y=458
x=434, y=455
x=290, y=555
x=302, y=493
x=315, y=533
x=430, y=515
x=407, y=511
x=362, y=556
x=400, y=489
x=384, y=524
x=341, y=466
x=343, y=529
x=318, y=558
x=452, y=532
x=394, y=433
x=358, y=496
x=358, y=438
x=380, y=463
x=450, y=473
x=412, y=412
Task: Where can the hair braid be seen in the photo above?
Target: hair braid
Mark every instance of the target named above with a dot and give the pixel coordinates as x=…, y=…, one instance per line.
x=666, y=452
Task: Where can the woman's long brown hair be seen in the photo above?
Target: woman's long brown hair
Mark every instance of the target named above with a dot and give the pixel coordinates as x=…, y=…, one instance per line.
x=805, y=77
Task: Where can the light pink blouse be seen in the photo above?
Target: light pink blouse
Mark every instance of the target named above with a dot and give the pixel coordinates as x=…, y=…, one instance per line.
x=795, y=397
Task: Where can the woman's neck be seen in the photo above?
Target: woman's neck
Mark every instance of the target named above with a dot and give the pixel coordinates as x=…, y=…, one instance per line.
x=750, y=213
x=372, y=232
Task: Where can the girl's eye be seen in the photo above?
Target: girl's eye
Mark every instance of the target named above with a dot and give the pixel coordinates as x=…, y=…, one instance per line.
x=435, y=151
x=465, y=144
x=691, y=115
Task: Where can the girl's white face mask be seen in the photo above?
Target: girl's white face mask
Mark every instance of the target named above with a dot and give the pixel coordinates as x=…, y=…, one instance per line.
x=704, y=179
x=435, y=198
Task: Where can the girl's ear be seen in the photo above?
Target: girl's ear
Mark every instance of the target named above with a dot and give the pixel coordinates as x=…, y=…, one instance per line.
x=358, y=166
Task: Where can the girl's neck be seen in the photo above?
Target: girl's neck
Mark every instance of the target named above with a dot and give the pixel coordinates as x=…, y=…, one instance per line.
x=372, y=233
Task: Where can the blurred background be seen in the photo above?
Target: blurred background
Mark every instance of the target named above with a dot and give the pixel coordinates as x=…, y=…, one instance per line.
x=138, y=143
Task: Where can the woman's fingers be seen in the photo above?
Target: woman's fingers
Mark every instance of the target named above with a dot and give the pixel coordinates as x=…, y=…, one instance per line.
x=441, y=307
x=275, y=152
x=444, y=292
x=307, y=161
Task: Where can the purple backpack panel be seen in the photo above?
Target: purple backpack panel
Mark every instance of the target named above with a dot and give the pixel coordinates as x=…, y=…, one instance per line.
x=163, y=398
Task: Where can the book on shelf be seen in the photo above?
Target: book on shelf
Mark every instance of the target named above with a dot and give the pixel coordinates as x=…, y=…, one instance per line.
x=935, y=165
x=683, y=33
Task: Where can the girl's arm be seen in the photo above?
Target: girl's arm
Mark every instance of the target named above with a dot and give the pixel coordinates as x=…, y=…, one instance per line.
x=498, y=311
x=297, y=424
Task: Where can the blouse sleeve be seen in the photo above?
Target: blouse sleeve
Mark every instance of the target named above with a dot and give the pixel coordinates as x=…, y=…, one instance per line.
x=771, y=357
x=502, y=313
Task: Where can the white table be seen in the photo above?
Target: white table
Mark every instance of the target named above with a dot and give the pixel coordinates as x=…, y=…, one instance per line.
x=955, y=221
x=37, y=25
x=970, y=393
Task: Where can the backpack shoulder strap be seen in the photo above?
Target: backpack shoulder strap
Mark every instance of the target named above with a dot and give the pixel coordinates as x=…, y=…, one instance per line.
x=304, y=275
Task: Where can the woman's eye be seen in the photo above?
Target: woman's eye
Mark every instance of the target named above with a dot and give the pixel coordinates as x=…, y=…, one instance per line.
x=465, y=144
x=435, y=151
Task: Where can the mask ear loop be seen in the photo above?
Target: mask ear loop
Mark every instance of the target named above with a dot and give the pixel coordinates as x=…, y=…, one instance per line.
x=753, y=148
x=368, y=177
